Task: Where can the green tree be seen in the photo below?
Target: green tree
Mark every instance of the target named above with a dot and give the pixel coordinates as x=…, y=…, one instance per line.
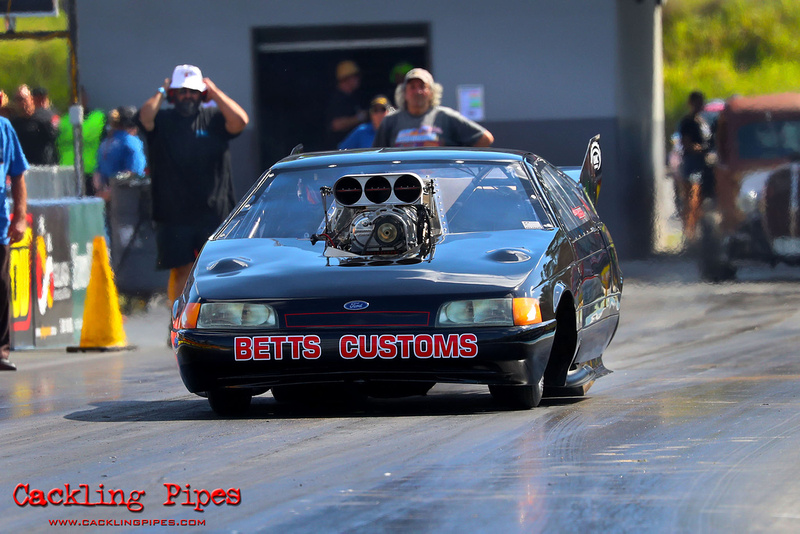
x=38, y=63
x=727, y=47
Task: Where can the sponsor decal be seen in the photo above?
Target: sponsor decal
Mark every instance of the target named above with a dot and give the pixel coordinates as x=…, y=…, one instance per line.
x=405, y=346
x=19, y=265
x=276, y=347
x=83, y=495
x=355, y=305
x=579, y=212
x=596, y=156
x=422, y=136
x=367, y=347
x=53, y=279
x=532, y=225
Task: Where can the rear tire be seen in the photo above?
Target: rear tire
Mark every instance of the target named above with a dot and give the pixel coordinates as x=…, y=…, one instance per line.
x=230, y=402
x=518, y=397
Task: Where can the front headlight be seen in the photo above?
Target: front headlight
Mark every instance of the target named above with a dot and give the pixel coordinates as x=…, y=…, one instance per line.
x=483, y=312
x=490, y=312
x=236, y=315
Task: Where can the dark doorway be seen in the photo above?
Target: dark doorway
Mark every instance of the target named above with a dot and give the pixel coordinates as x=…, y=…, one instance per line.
x=295, y=77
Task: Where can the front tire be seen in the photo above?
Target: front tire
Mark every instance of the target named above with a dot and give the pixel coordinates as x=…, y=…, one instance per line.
x=518, y=397
x=229, y=402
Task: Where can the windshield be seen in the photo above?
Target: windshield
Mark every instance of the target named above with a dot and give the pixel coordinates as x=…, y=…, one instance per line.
x=471, y=197
x=769, y=140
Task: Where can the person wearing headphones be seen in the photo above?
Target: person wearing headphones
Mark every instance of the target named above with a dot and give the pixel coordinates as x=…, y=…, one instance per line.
x=190, y=166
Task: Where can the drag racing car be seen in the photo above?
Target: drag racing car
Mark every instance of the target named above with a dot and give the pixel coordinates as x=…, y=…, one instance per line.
x=389, y=270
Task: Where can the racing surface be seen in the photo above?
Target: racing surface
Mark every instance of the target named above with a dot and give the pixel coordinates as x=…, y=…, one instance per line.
x=695, y=431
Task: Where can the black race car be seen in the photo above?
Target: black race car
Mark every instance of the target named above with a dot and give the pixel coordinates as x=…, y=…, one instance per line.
x=388, y=270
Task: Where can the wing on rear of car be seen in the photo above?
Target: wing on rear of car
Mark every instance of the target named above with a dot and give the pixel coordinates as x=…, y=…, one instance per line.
x=592, y=169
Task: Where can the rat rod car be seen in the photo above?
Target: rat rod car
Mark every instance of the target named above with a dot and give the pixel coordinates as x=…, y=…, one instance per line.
x=755, y=216
x=388, y=270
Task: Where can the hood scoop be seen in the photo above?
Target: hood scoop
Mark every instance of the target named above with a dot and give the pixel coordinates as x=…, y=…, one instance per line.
x=509, y=255
x=228, y=265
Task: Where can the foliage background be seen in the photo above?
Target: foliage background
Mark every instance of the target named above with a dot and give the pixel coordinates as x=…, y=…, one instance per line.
x=38, y=63
x=727, y=47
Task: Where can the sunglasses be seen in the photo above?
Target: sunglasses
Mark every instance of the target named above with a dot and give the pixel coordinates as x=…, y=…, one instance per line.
x=378, y=109
x=185, y=91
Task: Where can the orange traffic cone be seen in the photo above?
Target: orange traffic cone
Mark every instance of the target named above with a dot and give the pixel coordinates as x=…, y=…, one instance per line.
x=102, y=321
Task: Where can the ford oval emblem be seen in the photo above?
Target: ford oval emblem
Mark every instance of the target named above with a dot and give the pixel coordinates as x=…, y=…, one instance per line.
x=355, y=305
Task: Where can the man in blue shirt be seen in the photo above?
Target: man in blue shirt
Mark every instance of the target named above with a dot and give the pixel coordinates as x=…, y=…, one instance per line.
x=14, y=165
x=120, y=152
x=363, y=135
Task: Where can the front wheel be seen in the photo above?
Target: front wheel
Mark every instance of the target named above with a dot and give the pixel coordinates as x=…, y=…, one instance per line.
x=518, y=397
x=229, y=402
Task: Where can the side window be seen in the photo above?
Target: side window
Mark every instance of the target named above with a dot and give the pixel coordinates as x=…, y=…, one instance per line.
x=567, y=200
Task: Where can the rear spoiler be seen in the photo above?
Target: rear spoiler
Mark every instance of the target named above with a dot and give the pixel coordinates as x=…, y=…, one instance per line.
x=592, y=169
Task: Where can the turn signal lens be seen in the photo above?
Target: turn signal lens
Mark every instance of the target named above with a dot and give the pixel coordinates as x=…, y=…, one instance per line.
x=527, y=311
x=189, y=316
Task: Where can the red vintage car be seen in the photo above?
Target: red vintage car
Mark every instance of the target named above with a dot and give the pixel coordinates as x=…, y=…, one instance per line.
x=755, y=215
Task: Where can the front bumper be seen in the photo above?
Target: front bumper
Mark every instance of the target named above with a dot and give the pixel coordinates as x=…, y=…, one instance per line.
x=513, y=355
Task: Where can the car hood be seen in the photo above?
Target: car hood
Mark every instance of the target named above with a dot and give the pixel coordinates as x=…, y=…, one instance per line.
x=481, y=263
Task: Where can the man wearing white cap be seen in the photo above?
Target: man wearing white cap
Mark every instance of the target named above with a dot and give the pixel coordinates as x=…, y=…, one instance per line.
x=190, y=166
x=421, y=121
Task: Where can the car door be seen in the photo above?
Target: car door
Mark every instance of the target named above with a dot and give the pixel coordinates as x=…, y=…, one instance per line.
x=594, y=271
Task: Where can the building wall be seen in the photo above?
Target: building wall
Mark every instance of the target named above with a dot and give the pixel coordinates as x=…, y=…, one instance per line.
x=554, y=73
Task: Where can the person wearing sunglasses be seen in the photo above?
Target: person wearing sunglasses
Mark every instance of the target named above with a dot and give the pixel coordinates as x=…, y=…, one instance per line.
x=364, y=134
x=190, y=166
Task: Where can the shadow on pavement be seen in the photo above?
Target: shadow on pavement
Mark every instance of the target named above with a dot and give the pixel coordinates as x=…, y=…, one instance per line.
x=265, y=407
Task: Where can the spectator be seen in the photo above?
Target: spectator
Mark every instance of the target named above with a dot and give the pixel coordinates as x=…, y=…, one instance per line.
x=696, y=173
x=35, y=129
x=5, y=110
x=92, y=130
x=190, y=167
x=121, y=152
x=344, y=109
x=421, y=121
x=41, y=100
x=14, y=165
x=364, y=134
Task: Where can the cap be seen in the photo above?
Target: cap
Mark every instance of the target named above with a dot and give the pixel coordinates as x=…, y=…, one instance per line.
x=419, y=74
x=187, y=76
x=345, y=69
x=126, y=115
x=380, y=100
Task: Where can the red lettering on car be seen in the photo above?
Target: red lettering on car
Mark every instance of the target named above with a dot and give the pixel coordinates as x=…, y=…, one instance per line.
x=469, y=345
x=405, y=341
x=445, y=347
x=261, y=348
x=312, y=349
x=387, y=346
x=242, y=348
x=423, y=346
x=348, y=347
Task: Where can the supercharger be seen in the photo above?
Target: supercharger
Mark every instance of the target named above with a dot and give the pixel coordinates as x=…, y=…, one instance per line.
x=387, y=215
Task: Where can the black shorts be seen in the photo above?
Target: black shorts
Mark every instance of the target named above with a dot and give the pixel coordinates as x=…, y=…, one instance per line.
x=179, y=244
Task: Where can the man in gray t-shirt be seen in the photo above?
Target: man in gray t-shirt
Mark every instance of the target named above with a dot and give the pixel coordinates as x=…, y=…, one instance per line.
x=421, y=121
